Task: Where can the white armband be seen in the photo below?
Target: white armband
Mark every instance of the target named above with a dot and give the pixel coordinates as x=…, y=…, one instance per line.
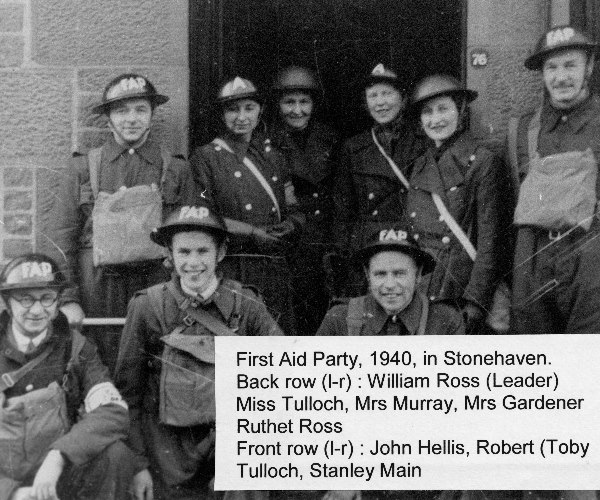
x=103, y=394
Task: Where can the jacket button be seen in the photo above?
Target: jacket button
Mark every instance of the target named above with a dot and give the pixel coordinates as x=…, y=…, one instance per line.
x=275, y=178
x=371, y=196
x=472, y=158
x=413, y=214
x=249, y=206
x=237, y=174
x=375, y=212
x=441, y=218
x=274, y=209
x=445, y=240
x=29, y=388
x=416, y=236
x=217, y=148
x=267, y=149
x=453, y=188
x=131, y=151
x=402, y=190
x=432, y=297
x=317, y=212
x=315, y=195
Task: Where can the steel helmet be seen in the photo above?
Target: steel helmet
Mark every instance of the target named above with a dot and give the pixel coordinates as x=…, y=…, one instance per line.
x=559, y=38
x=189, y=218
x=438, y=85
x=296, y=78
x=31, y=271
x=397, y=239
x=381, y=74
x=238, y=88
x=128, y=86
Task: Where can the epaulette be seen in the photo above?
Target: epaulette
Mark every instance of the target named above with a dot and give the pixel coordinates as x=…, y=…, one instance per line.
x=339, y=301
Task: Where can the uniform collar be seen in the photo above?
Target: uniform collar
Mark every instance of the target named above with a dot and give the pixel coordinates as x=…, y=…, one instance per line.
x=149, y=150
x=223, y=297
x=377, y=317
x=22, y=341
x=577, y=117
x=206, y=294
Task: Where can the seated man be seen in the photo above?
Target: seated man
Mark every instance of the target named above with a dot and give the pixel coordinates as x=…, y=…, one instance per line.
x=165, y=367
x=393, y=263
x=61, y=418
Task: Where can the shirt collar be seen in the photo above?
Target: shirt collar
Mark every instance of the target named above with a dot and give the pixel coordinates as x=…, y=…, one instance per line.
x=377, y=317
x=149, y=150
x=22, y=341
x=206, y=294
x=577, y=117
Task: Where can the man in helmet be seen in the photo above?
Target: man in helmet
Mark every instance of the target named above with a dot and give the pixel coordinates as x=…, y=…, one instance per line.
x=394, y=264
x=165, y=367
x=557, y=291
x=371, y=182
x=556, y=279
x=61, y=418
x=309, y=148
x=129, y=158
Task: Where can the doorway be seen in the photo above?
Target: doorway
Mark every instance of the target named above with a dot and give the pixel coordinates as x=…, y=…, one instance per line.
x=342, y=40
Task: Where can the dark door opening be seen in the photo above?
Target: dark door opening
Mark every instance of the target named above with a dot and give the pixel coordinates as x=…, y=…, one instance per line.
x=342, y=40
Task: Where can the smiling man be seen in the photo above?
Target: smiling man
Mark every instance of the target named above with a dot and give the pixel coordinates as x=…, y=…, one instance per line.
x=557, y=291
x=394, y=264
x=166, y=363
x=130, y=158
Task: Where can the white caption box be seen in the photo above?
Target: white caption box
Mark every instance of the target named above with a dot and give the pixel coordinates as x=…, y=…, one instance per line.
x=393, y=413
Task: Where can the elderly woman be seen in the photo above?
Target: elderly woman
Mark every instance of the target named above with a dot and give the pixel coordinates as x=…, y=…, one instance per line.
x=371, y=182
x=308, y=146
x=460, y=203
x=242, y=177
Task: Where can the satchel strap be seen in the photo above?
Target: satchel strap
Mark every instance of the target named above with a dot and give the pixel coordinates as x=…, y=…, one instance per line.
x=513, y=129
x=457, y=231
x=7, y=380
x=392, y=163
x=255, y=172
x=424, y=314
x=354, y=318
x=95, y=157
x=199, y=315
x=533, y=132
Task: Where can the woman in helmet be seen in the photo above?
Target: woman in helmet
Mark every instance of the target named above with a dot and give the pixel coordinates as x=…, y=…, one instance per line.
x=459, y=203
x=308, y=146
x=370, y=185
x=243, y=177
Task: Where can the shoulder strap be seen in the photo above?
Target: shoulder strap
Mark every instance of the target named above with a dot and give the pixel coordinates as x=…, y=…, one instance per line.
x=513, y=157
x=533, y=132
x=94, y=158
x=392, y=163
x=77, y=343
x=255, y=172
x=166, y=156
x=424, y=314
x=356, y=312
x=155, y=296
x=198, y=315
x=457, y=231
x=9, y=379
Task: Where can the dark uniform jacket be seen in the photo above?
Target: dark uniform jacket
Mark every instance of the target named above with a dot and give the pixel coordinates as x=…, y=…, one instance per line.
x=310, y=159
x=442, y=320
x=95, y=430
x=65, y=223
x=561, y=131
x=367, y=194
x=139, y=364
x=475, y=187
x=232, y=190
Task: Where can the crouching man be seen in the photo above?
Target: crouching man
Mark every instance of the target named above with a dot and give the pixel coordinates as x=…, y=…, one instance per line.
x=61, y=418
x=165, y=367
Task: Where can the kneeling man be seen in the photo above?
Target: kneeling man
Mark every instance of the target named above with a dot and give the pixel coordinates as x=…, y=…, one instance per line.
x=61, y=418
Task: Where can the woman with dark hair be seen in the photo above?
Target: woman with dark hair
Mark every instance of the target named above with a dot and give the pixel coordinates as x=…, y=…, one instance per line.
x=459, y=204
x=243, y=177
x=308, y=146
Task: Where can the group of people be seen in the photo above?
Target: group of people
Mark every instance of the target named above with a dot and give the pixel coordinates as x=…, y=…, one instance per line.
x=410, y=228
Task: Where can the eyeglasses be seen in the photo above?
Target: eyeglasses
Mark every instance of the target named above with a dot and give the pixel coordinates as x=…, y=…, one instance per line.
x=27, y=301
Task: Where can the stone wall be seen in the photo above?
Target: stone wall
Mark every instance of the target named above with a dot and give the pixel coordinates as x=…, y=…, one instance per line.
x=55, y=58
x=507, y=30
